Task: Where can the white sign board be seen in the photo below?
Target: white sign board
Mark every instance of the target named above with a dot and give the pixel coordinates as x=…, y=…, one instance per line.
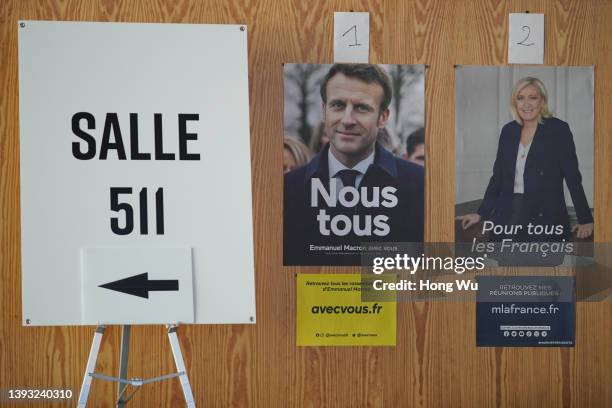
x=351, y=37
x=135, y=174
x=526, y=38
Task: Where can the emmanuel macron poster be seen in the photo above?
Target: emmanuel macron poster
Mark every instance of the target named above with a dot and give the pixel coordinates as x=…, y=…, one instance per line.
x=353, y=158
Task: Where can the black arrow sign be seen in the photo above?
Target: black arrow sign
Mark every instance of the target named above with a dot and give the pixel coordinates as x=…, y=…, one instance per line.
x=140, y=285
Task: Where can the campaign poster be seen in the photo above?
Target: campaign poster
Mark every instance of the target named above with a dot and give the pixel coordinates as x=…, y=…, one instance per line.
x=330, y=312
x=353, y=160
x=524, y=163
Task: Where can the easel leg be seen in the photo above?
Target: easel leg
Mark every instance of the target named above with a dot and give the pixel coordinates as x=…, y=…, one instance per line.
x=180, y=366
x=91, y=366
x=123, y=364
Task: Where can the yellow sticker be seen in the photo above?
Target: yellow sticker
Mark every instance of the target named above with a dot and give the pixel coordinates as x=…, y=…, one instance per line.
x=330, y=313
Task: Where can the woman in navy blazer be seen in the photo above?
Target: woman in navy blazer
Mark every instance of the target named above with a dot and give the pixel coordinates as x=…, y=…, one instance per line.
x=536, y=152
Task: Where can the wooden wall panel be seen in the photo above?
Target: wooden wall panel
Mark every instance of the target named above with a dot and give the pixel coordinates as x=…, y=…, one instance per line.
x=435, y=363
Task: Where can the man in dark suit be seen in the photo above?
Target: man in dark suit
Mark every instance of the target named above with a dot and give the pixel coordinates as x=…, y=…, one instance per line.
x=354, y=191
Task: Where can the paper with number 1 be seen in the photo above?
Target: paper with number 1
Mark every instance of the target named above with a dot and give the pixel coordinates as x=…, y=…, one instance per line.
x=351, y=37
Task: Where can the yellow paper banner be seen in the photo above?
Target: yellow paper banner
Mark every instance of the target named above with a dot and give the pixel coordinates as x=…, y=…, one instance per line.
x=330, y=313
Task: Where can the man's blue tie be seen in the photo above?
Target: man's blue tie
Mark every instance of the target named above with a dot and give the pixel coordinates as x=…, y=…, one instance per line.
x=348, y=177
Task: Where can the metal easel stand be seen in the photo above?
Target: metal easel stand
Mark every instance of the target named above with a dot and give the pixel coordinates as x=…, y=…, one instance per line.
x=122, y=380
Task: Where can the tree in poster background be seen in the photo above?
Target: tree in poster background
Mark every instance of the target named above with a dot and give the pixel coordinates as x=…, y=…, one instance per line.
x=303, y=80
x=404, y=78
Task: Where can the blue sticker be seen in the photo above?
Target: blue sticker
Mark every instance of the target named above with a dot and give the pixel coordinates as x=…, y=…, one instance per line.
x=533, y=311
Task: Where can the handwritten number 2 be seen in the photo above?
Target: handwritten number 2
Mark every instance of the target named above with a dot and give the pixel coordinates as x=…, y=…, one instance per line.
x=522, y=42
x=355, y=30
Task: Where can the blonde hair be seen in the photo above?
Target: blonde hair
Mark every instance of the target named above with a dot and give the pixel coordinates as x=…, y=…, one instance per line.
x=298, y=150
x=522, y=84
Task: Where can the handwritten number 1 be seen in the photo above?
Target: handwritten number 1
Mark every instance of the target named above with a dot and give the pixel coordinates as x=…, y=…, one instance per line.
x=522, y=42
x=347, y=31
